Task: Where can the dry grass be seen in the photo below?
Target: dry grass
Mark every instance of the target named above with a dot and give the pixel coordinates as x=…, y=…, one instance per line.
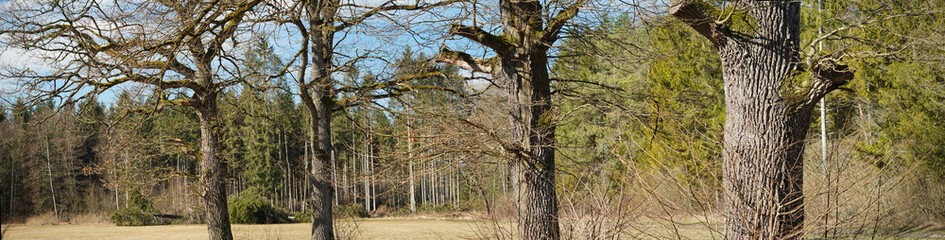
x=384, y=228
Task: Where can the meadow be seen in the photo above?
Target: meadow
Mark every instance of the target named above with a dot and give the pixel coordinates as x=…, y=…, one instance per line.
x=384, y=228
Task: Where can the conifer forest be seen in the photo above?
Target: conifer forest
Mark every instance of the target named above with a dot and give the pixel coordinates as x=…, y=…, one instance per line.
x=517, y=119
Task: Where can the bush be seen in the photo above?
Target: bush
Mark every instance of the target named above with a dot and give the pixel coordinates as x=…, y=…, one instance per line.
x=304, y=216
x=350, y=211
x=133, y=216
x=251, y=208
x=138, y=213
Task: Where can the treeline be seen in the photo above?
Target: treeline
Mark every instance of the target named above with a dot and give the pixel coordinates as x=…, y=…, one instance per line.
x=596, y=125
x=89, y=157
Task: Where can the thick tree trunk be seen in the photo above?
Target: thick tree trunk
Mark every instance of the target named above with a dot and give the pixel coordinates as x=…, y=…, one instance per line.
x=319, y=105
x=322, y=227
x=317, y=97
x=521, y=66
x=213, y=171
x=764, y=131
x=532, y=166
x=523, y=71
x=768, y=108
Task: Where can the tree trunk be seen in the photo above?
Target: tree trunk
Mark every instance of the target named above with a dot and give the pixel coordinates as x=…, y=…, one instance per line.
x=213, y=170
x=522, y=69
x=319, y=104
x=322, y=227
x=764, y=136
x=317, y=98
x=434, y=197
x=371, y=172
x=364, y=179
x=533, y=164
x=288, y=173
x=52, y=189
x=13, y=179
x=413, y=196
x=768, y=110
x=334, y=175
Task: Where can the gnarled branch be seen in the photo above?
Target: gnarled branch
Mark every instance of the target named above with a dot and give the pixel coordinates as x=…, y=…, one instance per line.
x=550, y=35
x=689, y=12
x=827, y=76
x=476, y=34
x=464, y=61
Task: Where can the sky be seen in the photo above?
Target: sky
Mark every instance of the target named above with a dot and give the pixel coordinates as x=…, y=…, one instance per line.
x=375, y=35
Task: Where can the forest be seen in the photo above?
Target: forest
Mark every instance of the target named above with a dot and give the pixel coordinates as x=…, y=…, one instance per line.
x=531, y=119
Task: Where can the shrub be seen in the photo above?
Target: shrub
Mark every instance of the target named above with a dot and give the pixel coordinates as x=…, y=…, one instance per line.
x=133, y=216
x=351, y=210
x=304, y=216
x=138, y=213
x=251, y=208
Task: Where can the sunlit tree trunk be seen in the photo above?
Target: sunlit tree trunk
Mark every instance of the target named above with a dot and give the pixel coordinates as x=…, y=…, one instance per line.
x=413, y=196
x=52, y=189
x=213, y=169
x=768, y=111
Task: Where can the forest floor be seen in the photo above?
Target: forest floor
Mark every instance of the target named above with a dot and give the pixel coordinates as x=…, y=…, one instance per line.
x=374, y=228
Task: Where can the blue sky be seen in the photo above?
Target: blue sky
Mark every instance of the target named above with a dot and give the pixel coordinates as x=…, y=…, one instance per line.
x=421, y=32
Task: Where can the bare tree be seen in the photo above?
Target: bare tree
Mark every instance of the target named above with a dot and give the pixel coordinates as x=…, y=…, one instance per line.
x=164, y=44
x=318, y=22
x=521, y=67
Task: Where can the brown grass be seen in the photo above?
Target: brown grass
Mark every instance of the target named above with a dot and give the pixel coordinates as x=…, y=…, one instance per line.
x=383, y=228
x=380, y=228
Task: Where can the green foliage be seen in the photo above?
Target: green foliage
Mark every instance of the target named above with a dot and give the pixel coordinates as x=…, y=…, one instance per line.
x=139, y=212
x=251, y=208
x=263, y=127
x=304, y=216
x=133, y=216
x=895, y=109
x=670, y=106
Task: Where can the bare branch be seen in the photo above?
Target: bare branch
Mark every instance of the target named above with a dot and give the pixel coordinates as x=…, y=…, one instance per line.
x=555, y=24
x=464, y=61
x=827, y=76
x=357, y=20
x=689, y=12
x=476, y=34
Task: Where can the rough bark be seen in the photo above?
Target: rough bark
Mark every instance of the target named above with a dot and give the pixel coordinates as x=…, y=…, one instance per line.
x=532, y=163
x=319, y=104
x=520, y=66
x=213, y=169
x=317, y=98
x=323, y=192
x=767, y=115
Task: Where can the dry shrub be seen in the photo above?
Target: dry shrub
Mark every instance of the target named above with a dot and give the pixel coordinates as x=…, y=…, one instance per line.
x=498, y=224
x=348, y=228
x=48, y=218
x=867, y=196
x=89, y=218
x=381, y=211
x=494, y=228
x=504, y=208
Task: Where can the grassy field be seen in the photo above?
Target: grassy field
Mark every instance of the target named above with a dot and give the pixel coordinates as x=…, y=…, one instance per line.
x=384, y=228
x=378, y=228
